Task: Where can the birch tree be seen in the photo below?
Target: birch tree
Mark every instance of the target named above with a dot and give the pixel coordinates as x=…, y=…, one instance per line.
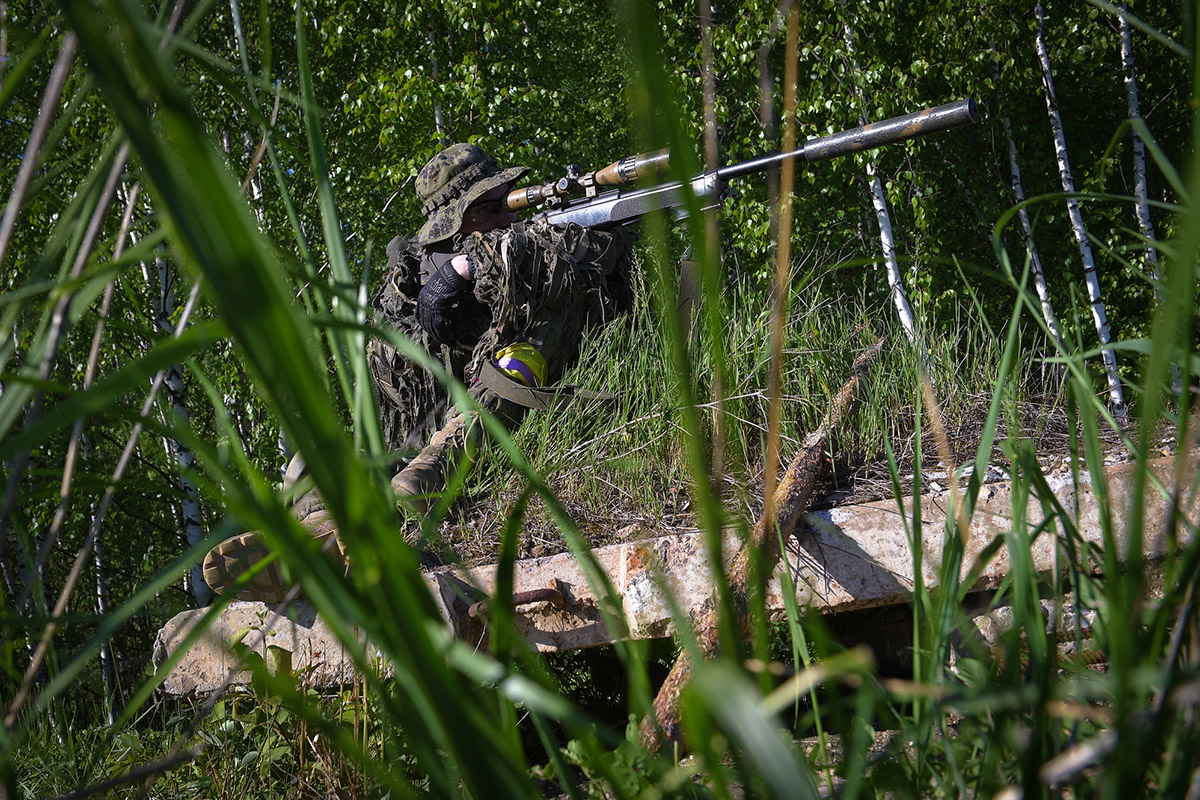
x=1141, y=189
x=161, y=289
x=887, y=243
x=1035, y=262
x=100, y=562
x=1115, y=393
x=883, y=217
x=439, y=123
x=181, y=455
x=1140, y=185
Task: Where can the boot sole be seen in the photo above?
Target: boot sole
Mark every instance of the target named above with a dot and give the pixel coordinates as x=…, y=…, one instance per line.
x=232, y=558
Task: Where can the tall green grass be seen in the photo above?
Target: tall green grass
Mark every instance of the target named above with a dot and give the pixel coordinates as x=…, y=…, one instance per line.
x=451, y=721
x=622, y=459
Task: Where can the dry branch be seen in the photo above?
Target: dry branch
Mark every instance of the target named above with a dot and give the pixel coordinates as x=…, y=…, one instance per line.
x=790, y=499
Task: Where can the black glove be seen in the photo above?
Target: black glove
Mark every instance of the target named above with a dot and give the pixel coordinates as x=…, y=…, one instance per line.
x=436, y=303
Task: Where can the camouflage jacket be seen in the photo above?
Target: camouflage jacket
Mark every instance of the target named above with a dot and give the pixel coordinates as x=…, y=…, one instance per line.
x=532, y=283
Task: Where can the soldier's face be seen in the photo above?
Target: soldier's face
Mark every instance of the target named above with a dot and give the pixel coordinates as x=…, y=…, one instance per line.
x=488, y=213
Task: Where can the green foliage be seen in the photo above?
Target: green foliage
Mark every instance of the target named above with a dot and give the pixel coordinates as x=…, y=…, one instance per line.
x=346, y=104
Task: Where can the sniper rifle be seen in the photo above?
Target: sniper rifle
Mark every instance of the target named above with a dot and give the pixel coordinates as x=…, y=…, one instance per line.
x=603, y=198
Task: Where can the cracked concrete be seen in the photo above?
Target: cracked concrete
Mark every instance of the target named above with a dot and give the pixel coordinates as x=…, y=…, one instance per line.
x=845, y=558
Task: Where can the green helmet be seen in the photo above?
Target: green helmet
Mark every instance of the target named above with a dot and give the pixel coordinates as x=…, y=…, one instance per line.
x=452, y=180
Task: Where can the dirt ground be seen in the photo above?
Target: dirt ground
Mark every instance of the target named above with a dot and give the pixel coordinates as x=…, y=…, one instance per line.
x=471, y=533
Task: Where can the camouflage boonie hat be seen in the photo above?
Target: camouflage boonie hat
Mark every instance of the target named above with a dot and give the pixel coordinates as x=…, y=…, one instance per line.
x=452, y=180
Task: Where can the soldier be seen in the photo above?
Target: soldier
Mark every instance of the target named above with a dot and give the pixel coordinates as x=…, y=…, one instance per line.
x=503, y=304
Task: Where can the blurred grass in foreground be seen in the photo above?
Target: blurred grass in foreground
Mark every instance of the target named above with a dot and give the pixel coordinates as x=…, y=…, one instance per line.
x=454, y=722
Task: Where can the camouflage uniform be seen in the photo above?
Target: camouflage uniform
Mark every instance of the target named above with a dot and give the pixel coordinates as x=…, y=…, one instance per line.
x=532, y=283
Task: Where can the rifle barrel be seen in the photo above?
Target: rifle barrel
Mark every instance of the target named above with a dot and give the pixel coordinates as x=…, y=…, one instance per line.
x=876, y=134
x=616, y=206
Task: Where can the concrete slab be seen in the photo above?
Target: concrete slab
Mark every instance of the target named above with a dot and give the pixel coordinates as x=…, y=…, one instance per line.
x=846, y=558
x=300, y=642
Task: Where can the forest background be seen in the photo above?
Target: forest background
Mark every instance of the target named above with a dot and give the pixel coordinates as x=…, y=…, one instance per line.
x=328, y=112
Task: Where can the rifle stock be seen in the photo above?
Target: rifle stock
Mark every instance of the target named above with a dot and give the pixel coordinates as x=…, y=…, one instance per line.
x=621, y=205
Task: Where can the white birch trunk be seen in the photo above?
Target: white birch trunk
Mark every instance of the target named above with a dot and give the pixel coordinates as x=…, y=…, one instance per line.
x=1115, y=393
x=766, y=114
x=439, y=123
x=181, y=454
x=883, y=218
x=107, y=668
x=895, y=282
x=189, y=512
x=1039, y=276
x=285, y=455
x=107, y=672
x=1140, y=186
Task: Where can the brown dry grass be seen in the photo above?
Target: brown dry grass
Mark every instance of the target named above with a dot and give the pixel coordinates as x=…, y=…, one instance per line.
x=594, y=496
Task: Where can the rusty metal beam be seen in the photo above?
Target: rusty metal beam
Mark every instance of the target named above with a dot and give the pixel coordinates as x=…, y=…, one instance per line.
x=851, y=557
